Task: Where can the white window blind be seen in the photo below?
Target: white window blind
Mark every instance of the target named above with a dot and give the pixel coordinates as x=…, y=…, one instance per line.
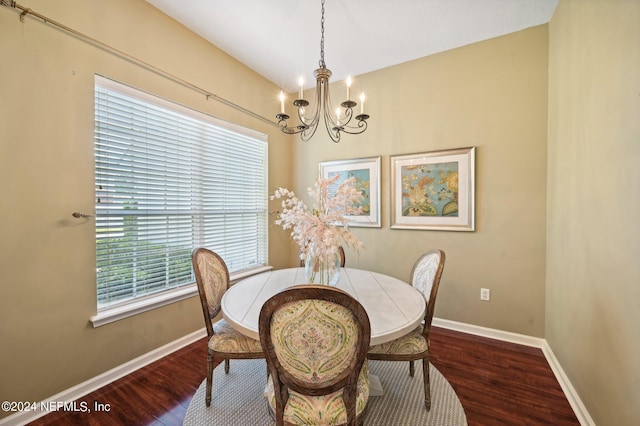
x=169, y=179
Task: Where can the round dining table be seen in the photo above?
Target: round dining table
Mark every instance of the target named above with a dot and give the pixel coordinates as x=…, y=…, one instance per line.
x=394, y=307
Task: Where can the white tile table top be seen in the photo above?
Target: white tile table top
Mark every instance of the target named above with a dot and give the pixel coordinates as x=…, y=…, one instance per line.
x=394, y=307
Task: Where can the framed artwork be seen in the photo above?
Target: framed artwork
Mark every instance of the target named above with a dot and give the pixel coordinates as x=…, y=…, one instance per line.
x=367, y=179
x=433, y=190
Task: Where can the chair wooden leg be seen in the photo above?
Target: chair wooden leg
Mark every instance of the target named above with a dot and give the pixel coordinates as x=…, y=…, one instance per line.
x=207, y=399
x=226, y=366
x=427, y=383
x=412, y=369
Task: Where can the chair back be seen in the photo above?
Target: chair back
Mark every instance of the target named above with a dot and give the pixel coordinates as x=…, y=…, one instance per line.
x=212, y=277
x=425, y=276
x=315, y=340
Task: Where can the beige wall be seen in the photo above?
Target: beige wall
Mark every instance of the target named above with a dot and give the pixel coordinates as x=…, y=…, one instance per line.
x=47, y=258
x=593, y=238
x=492, y=95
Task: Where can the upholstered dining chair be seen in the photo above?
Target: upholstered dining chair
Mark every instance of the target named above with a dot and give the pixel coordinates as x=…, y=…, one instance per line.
x=425, y=276
x=315, y=339
x=212, y=277
x=340, y=253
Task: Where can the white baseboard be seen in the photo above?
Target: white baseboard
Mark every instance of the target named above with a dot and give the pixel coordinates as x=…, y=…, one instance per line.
x=572, y=396
x=491, y=333
x=78, y=391
x=82, y=389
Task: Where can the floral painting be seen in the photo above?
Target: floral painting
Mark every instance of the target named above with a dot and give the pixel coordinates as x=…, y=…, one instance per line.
x=362, y=183
x=434, y=190
x=365, y=173
x=430, y=189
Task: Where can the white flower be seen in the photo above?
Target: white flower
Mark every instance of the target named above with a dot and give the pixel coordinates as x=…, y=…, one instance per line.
x=324, y=227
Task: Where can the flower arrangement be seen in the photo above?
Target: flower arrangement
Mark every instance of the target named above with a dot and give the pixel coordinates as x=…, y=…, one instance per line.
x=321, y=230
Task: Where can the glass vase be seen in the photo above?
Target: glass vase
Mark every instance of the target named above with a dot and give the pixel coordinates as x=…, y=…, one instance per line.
x=322, y=269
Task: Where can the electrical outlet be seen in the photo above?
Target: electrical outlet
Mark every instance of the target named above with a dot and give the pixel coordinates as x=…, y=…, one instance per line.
x=485, y=294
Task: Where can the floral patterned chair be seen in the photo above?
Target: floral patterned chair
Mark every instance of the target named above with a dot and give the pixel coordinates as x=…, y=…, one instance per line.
x=425, y=276
x=315, y=339
x=212, y=277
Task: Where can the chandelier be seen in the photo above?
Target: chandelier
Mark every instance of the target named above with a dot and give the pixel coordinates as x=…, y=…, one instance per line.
x=335, y=122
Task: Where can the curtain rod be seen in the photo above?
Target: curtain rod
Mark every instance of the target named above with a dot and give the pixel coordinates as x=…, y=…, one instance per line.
x=26, y=11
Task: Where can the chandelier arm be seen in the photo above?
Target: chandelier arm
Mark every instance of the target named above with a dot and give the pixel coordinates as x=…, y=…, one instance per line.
x=346, y=123
x=331, y=122
x=302, y=118
x=283, y=126
x=289, y=130
x=318, y=105
x=312, y=124
x=348, y=115
x=308, y=133
x=328, y=109
x=333, y=129
x=356, y=130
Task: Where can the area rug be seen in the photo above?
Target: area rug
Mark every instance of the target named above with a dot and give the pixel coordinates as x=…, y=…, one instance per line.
x=237, y=398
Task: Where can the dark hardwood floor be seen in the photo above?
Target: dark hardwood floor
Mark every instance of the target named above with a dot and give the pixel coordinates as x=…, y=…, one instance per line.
x=498, y=383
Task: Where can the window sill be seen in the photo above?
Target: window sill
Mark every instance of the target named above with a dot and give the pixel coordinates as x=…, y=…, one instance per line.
x=109, y=315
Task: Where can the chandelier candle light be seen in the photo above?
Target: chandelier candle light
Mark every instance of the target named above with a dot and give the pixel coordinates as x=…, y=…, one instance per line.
x=320, y=231
x=335, y=123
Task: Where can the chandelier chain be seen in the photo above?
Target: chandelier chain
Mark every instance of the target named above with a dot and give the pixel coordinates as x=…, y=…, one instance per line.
x=322, y=64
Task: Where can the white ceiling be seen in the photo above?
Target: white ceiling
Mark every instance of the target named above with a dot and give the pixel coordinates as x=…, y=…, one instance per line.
x=280, y=39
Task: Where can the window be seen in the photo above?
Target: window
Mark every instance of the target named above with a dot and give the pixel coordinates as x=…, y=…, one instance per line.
x=169, y=179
